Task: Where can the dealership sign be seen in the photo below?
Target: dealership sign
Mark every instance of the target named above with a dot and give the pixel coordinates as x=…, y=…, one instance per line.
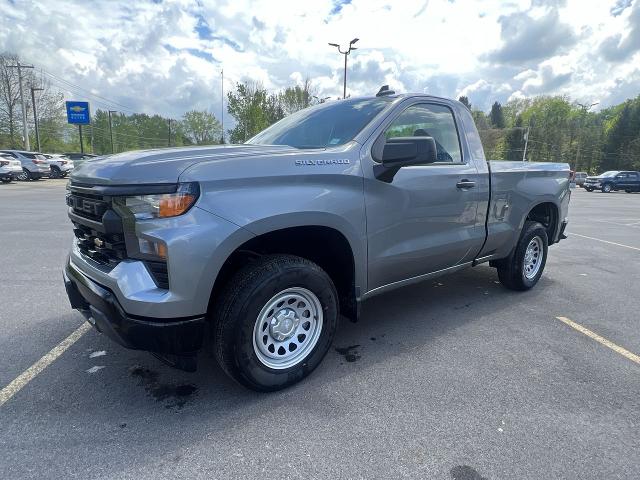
x=78, y=113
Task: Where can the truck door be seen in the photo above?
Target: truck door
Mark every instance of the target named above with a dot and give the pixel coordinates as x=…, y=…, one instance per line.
x=426, y=218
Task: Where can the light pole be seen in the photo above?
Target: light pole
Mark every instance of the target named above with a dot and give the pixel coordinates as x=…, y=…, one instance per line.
x=345, y=53
x=111, y=130
x=35, y=114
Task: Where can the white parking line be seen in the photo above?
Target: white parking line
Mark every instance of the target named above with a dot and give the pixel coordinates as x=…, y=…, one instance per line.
x=30, y=373
x=606, y=241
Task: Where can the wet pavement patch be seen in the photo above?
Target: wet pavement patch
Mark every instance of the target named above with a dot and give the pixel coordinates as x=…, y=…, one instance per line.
x=465, y=472
x=175, y=396
x=349, y=353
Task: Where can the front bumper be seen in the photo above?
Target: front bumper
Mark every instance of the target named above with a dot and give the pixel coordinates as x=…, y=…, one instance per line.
x=100, y=307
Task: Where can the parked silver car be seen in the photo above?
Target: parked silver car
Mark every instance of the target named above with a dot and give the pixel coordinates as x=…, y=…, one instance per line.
x=10, y=168
x=34, y=165
x=59, y=164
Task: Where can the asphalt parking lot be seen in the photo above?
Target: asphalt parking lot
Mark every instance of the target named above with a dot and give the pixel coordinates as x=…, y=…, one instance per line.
x=456, y=378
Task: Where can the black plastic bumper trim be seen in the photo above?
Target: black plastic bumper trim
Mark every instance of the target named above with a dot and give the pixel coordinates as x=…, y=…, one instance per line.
x=100, y=307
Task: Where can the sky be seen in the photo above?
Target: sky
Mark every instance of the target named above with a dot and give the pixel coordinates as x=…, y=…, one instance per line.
x=165, y=56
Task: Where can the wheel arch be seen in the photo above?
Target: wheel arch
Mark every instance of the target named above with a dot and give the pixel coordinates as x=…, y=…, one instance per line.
x=548, y=214
x=333, y=249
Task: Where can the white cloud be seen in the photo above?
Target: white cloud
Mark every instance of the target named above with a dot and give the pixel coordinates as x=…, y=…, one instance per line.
x=165, y=57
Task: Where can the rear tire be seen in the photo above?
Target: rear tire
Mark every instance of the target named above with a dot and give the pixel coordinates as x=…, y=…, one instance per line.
x=6, y=180
x=25, y=175
x=274, y=322
x=55, y=172
x=523, y=268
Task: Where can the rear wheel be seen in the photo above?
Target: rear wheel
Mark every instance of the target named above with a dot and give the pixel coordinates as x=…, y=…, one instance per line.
x=6, y=180
x=524, y=267
x=55, y=172
x=24, y=175
x=275, y=322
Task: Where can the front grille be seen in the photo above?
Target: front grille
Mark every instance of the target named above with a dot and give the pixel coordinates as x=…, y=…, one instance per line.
x=88, y=206
x=103, y=236
x=105, y=249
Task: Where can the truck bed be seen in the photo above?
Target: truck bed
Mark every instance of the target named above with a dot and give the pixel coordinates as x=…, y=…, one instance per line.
x=514, y=187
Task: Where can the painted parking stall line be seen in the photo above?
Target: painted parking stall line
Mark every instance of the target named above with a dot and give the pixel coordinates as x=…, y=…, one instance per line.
x=605, y=241
x=30, y=373
x=607, y=343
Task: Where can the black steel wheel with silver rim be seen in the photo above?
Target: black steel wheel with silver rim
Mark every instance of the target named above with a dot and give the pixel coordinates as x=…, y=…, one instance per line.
x=523, y=268
x=274, y=321
x=287, y=328
x=533, y=258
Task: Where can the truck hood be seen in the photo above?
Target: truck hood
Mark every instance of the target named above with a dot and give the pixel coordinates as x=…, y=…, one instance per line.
x=161, y=165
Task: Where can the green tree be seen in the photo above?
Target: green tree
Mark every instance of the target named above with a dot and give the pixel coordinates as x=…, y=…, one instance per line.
x=465, y=101
x=248, y=105
x=514, y=141
x=496, y=116
x=201, y=127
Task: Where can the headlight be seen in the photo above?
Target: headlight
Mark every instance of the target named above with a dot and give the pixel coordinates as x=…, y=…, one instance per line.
x=145, y=207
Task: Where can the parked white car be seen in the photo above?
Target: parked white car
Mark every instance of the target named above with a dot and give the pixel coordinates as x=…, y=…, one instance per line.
x=59, y=164
x=10, y=168
x=34, y=165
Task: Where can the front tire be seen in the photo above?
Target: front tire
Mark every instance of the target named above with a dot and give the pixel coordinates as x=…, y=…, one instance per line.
x=275, y=322
x=25, y=175
x=589, y=189
x=523, y=268
x=56, y=173
x=606, y=188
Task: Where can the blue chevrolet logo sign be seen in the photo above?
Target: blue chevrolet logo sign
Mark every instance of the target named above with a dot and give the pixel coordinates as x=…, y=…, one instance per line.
x=78, y=113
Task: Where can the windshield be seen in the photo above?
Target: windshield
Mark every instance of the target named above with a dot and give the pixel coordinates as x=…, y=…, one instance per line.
x=611, y=173
x=326, y=125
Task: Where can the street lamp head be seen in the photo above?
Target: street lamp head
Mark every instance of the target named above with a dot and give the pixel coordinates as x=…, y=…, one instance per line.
x=334, y=45
x=353, y=41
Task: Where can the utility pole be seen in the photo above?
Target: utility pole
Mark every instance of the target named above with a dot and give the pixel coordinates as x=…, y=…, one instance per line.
x=345, y=53
x=80, y=133
x=113, y=150
x=170, y=131
x=222, y=104
x=35, y=115
x=526, y=143
x=25, y=127
x=585, y=109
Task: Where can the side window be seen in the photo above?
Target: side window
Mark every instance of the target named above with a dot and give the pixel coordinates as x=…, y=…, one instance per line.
x=428, y=120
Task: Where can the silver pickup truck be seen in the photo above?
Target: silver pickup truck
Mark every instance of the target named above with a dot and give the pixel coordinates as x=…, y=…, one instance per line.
x=255, y=250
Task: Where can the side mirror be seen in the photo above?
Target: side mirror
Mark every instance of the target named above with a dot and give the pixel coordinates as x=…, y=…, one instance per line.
x=403, y=152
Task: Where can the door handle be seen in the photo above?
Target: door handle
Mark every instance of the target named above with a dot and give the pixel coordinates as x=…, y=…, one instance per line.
x=462, y=184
